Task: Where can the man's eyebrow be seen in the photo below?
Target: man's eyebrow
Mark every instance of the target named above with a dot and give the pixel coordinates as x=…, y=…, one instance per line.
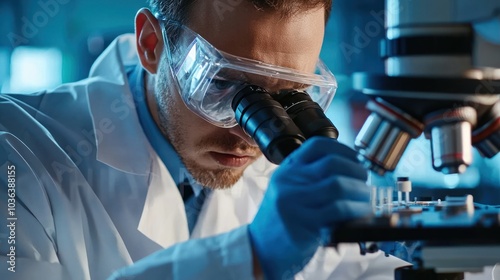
x=231, y=75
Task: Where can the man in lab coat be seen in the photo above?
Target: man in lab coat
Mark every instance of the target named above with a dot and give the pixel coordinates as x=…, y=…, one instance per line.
x=141, y=161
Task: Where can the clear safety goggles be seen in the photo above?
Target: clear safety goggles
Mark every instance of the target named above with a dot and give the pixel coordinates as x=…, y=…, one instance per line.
x=208, y=79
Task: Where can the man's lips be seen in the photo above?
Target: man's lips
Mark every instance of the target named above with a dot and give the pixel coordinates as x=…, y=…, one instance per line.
x=231, y=159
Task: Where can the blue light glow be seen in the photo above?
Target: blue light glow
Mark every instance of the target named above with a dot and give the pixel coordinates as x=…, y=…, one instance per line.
x=35, y=69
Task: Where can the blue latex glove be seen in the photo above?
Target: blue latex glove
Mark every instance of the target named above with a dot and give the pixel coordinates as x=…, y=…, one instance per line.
x=318, y=186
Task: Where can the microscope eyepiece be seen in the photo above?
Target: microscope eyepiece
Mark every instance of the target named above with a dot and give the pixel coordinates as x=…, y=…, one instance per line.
x=280, y=122
x=306, y=114
x=267, y=123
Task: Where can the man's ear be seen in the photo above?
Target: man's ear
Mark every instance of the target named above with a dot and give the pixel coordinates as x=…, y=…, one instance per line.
x=149, y=40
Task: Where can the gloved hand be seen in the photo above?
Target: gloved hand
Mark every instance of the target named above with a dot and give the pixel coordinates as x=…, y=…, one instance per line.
x=318, y=186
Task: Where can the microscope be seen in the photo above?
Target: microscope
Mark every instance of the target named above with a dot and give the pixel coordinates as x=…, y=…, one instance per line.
x=442, y=80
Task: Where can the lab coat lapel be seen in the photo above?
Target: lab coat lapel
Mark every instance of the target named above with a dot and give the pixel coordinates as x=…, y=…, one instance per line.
x=163, y=218
x=122, y=144
x=119, y=137
x=126, y=148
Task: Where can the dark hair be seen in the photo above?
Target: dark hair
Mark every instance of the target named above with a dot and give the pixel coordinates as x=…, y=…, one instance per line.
x=178, y=9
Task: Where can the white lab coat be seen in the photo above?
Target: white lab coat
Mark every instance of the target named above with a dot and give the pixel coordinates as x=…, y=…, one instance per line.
x=93, y=196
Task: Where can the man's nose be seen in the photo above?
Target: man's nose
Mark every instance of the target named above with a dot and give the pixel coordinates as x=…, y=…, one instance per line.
x=238, y=131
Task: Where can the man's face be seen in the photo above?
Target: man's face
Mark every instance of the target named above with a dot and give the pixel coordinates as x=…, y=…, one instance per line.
x=217, y=157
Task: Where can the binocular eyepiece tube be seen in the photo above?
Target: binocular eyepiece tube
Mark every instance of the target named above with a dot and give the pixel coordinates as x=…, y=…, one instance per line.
x=280, y=122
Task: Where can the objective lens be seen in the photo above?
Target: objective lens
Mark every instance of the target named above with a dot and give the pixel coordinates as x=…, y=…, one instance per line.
x=385, y=136
x=450, y=132
x=486, y=138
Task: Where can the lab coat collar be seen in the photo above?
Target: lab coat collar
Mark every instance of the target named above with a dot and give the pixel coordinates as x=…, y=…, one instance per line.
x=113, y=111
x=158, y=141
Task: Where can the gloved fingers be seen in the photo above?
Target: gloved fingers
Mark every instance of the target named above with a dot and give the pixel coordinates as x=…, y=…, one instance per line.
x=327, y=191
x=317, y=147
x=319, y=183
x=341, y=188
x=335, y=165
x=345, y=210
x=307, y=175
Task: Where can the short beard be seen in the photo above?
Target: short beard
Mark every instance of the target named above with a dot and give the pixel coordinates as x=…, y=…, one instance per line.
x=214, y=179
x=221, y=178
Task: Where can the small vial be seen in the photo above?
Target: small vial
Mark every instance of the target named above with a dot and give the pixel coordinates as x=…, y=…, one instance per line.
x=388, y=200
x=384, y=199
x=381, y=197
x=404, y=187
x=373, y=198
